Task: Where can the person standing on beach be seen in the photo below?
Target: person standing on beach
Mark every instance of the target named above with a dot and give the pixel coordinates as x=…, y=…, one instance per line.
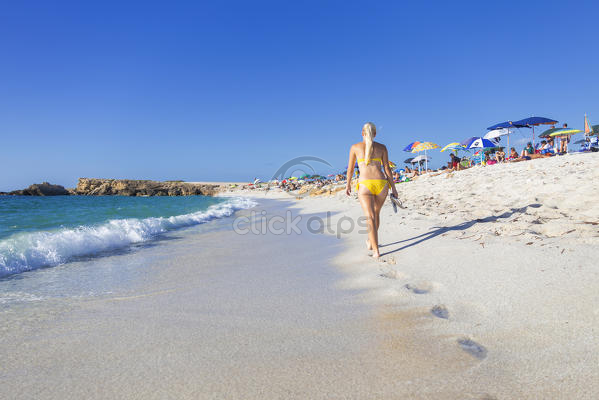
x=563, y=141
x=374, y=181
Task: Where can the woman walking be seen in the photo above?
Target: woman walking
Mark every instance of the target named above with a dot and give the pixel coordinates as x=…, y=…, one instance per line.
x=374, y=181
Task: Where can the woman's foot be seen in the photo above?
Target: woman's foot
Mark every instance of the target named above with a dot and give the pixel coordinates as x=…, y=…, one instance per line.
x=376, y=254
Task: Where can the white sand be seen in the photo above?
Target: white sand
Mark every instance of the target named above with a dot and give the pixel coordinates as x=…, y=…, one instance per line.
x=506, y=257
x=488, y=289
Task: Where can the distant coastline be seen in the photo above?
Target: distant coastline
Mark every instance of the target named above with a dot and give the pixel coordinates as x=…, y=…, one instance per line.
x=123, y=187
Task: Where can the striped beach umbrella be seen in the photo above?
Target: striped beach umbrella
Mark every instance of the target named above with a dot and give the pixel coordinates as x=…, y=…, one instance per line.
x=565, y=132
x=409, y=147
x=424, y=146
x=453, y=146
x=548, y=132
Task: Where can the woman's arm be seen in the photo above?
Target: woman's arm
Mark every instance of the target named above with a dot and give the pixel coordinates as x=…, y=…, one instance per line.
x=350, y=169
x=388, y=173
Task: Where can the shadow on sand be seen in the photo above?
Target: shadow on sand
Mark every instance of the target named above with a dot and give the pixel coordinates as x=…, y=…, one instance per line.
x=439, y=230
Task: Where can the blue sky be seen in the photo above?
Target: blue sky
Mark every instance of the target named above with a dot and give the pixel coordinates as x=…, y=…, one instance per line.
x=231, y=90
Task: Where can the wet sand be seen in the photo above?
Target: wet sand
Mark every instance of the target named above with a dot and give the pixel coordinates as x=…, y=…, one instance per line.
x=476, y=302
x=218, y=315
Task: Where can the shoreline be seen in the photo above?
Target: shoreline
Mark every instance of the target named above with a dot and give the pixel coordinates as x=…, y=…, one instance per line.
x=488, y=292
x=479, y=294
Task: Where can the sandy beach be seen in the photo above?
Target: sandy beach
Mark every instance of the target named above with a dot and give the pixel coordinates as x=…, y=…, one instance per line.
x=487, y=289
x=498, y=263
x=488, y=279
x=179, y=208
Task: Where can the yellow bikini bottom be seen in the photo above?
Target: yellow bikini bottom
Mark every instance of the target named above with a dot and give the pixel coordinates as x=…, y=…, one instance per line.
x=375, y=186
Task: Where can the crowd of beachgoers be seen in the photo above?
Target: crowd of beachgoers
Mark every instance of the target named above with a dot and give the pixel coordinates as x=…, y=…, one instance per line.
x=550, y=147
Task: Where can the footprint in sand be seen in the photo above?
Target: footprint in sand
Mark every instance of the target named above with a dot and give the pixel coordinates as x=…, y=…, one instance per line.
x=474, y=349
x=419, y=287
x=440, y=311
x=389, y=275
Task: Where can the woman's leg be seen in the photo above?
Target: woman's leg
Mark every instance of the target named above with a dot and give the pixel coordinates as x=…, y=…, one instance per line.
x=367, y=201
x=378, y=205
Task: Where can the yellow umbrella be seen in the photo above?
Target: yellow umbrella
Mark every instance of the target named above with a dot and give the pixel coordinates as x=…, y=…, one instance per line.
x=453, y=146
x=424, y=146
x=565, y=132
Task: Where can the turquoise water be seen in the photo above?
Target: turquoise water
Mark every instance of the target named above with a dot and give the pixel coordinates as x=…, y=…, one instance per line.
x=29, y=214
x=47, y=231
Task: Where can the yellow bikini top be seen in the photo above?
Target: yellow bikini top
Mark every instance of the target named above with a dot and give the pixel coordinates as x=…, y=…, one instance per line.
x=372, y=159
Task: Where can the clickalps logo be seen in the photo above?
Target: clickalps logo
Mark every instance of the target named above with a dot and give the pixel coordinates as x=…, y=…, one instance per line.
x=260, y=223
x=299, y=167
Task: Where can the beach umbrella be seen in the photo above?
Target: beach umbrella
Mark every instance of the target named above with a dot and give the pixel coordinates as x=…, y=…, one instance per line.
x=420, y=159
x=548, y=132
x=588, y=129
x=496, y=134
x=565, y=132
x=424, y=146
x=595, y=130
x=409, y=160
x=478, y=143
x=535, y=121
x=453, y=146
x=506, y=125
x=409, y=147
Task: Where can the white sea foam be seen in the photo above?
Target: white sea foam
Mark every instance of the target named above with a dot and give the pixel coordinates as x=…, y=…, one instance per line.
x=26, y=251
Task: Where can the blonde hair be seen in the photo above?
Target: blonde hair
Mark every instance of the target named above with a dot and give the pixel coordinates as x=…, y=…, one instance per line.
x=368, y=131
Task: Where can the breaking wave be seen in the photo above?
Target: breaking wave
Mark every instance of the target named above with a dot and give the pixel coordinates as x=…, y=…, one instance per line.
x=26, y=251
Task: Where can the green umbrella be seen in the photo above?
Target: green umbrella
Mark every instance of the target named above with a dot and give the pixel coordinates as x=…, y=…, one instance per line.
x=548, y=132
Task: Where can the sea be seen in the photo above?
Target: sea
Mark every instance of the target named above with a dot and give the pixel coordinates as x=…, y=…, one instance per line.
x=41, y=233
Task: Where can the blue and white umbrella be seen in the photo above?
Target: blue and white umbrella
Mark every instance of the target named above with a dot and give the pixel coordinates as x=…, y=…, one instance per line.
x=477, y=143
x=496, y=134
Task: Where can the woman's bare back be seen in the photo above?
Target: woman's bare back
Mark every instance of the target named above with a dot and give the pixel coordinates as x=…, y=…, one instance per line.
x=374, y=169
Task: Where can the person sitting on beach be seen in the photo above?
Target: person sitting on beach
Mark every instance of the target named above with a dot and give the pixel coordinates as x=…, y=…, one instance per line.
x=500, y=155
x=374, y=182
x=547, y=148
x=410, y=173
x=455, y=162
x=528, y=150
x=513, y=155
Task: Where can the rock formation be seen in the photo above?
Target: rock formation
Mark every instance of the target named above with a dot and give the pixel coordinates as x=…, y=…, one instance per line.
x=129, y=187
x=42, y=189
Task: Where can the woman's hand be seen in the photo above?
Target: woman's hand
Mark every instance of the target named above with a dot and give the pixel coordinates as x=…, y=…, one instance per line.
x=393, y=191
x=348, y=190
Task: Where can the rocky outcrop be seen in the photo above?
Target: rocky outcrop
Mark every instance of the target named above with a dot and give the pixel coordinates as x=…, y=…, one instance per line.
x=42, y=189
x=129, y=187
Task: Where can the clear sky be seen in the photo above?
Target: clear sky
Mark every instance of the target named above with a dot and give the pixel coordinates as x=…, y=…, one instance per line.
x=231, y=90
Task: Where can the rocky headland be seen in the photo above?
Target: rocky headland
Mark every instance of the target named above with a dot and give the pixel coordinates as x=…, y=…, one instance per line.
x=120, y=187
x=41, y=189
